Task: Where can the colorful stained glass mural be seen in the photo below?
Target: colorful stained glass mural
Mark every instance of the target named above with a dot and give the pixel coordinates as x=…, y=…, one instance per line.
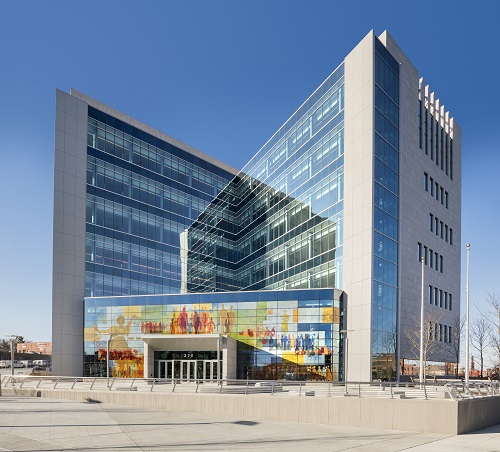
x=292, y=334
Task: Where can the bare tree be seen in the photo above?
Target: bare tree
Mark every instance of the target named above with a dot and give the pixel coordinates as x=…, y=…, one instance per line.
x=480, y=337
x=456, y=339
x=493, y=317
x=431, y=342
x=5, y=343
x=384, y=360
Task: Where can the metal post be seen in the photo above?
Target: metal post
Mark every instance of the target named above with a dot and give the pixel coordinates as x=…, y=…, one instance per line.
x=107, y=358
x=12, y=340
x=467, y=370
x=218, y=360
x=12, y=358
x=346, y=353
x=421, y=374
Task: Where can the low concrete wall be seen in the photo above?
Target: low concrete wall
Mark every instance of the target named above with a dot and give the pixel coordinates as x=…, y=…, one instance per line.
x=428, y=416
x=477, y=413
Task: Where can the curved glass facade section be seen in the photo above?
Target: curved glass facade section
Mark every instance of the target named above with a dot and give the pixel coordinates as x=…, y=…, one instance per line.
x=278, y=224
x=386, y=215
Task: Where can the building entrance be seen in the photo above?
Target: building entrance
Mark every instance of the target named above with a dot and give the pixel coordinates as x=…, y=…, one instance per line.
x=186, y=370
x=190, y=357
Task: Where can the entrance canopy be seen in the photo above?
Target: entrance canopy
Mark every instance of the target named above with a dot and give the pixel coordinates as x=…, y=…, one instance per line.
x=185, y=342
x=209, y=353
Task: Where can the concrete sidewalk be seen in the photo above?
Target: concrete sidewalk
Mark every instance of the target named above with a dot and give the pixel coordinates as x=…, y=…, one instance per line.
x=34, y=424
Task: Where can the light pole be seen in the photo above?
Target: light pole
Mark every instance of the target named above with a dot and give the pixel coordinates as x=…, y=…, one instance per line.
x=421, y=373
x=12, y=340
x=467, y=319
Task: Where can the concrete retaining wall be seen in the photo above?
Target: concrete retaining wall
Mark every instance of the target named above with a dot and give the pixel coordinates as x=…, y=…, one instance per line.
x=477, y=413
x=428, y=416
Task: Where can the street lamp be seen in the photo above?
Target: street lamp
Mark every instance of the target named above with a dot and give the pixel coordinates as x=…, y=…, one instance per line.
x=421, y=373
x=467, y=320
x=12, y=341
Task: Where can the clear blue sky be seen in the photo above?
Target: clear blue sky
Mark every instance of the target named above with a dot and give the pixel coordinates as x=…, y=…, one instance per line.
x=221, y=76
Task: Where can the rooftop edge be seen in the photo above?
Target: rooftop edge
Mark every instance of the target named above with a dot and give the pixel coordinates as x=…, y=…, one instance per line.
x=150, y=130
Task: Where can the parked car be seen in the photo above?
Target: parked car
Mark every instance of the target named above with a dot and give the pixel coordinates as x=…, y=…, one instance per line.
x=6, y=363
x=40, y=362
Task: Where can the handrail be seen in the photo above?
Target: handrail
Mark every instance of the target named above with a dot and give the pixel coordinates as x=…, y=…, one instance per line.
x=452, y=390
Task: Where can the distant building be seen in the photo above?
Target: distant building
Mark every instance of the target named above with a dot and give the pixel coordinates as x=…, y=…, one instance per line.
x=43, y=348
x=356, y=187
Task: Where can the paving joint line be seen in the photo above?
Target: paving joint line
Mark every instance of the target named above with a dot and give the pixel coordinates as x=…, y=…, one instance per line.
x=120, y=427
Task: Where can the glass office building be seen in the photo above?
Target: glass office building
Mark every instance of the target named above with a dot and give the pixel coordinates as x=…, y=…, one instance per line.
x=118, y=225
x=276, y=225
x=184, y=263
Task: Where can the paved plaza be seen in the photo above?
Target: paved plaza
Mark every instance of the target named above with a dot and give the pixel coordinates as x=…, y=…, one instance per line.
x=36, y=424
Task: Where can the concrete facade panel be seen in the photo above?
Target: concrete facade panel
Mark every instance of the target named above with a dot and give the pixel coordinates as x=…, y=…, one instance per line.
x=358, y=123
x=69, y=235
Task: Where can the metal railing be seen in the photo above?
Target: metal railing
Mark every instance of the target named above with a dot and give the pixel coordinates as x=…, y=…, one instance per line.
x=442, y=389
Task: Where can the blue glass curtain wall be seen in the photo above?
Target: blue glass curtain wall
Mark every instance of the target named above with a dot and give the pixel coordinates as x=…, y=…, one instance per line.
x=142, y=194
x=386, y=214
x=279, y=223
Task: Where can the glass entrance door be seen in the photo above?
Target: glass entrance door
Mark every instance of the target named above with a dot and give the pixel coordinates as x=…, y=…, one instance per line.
x=182, y=370
x=210, y=369
x=163, y=369
x=186, y=370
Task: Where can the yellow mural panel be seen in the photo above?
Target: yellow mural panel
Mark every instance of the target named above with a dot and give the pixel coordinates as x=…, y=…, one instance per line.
x=129, y=311
x=336, y=315
x=327, y=315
